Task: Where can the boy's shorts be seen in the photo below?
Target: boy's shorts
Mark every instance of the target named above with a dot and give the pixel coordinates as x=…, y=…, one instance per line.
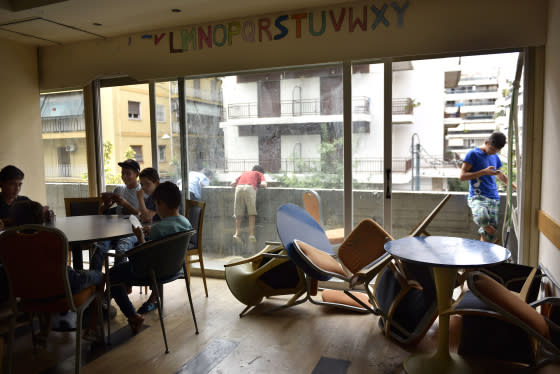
x=245, y=196
x=485, y=212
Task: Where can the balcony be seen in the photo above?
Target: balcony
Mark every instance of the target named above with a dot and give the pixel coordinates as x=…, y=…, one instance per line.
x=295, y=108
x=63, y=124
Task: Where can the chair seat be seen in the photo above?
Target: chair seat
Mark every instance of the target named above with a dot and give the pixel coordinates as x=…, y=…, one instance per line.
x=56, y=305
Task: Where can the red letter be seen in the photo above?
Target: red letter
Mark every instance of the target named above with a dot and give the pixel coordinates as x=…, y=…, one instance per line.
x=157, y=39
x=264, y=24
x=338, y=24
x=204, y=37
x=352, y=24
x=298, y=17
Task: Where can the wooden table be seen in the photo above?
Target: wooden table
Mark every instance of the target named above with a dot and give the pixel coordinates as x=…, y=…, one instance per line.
x=81, y=230
x=446, y=255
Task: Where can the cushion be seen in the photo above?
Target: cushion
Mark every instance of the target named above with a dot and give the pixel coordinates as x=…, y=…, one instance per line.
x=321, y=259
x=489, y=289
x=339, y=297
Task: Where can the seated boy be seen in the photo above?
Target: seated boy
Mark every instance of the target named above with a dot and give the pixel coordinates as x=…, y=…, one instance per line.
x=127, y=203
x=149, y=180
x=167, y=198
x=11, y=180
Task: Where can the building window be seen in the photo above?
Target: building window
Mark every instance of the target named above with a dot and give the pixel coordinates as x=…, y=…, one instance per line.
x=134, y=110
x=138, y=155
x=161, y=154
x=160, y=113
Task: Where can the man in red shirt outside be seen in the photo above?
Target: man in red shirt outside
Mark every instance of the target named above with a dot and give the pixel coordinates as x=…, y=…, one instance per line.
x=246, y=196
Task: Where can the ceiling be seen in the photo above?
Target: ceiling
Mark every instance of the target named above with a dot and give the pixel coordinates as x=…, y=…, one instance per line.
x=59, y=22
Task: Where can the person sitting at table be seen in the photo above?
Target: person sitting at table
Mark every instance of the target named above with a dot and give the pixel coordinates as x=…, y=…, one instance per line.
x=127, y=203
x=167, y=198
x=11, y=180
x=149, y=180
x=32, y=212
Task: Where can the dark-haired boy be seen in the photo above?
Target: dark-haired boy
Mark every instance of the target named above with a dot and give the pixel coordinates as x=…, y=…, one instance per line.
x=127, y=203
x=480, y=166
x=11, y=180
x=167, y=198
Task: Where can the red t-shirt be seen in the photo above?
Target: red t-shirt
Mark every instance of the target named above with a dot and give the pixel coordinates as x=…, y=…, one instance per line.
x=254, y=178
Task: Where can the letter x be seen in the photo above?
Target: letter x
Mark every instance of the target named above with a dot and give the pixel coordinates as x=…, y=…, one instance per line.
x=380, y=16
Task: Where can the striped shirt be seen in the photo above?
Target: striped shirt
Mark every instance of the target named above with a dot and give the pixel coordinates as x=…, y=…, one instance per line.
x=129, y=194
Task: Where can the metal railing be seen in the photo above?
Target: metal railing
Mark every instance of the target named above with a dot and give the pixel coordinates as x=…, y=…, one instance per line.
x=403, y=106
x=295, y=108
x=65, y=171
x=63, y=124
x=307, y=165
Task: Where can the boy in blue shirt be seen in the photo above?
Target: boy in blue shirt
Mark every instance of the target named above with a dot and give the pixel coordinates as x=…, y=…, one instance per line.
x=167, y=198
x=480, y=166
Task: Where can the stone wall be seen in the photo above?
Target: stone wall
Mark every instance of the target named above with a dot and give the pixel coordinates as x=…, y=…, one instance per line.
x=409, y=208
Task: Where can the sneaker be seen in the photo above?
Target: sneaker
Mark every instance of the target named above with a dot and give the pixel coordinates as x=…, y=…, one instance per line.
x=252, y=238
x=135, y=322
x=147, y=307
x=237, y=238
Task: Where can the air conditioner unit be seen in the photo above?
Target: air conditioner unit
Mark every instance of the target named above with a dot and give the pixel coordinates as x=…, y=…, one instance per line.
x=71, y=147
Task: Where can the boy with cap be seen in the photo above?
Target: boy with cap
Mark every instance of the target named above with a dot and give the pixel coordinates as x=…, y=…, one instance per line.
x=127, y=203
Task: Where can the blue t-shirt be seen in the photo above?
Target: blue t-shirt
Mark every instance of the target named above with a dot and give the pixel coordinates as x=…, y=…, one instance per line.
x=196, y=181
x=151, y=205
x=485, y=185
x=169, y=226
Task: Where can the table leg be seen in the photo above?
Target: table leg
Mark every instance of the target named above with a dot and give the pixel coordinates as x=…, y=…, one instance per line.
x=77, y=257
x=442, y=361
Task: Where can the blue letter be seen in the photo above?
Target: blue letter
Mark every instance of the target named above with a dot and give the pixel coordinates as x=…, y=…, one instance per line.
x=281, y=27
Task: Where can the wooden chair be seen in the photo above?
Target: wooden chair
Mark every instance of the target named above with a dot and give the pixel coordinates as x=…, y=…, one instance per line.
x=155, y=263
x=82, y=206
x=312, y=205
x=35, y=259
x=194, y=211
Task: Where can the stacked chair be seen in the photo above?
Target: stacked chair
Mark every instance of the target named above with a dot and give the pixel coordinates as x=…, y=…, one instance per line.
x=499, y=320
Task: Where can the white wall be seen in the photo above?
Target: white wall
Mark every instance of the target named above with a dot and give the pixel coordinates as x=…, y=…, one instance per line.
x=20, y=140
x=549, y=255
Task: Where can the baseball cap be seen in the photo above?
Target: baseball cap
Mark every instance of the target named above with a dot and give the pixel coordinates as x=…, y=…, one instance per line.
x=131, y=164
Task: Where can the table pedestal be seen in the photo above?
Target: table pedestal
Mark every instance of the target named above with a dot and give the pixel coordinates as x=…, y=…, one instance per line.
x=442, y=361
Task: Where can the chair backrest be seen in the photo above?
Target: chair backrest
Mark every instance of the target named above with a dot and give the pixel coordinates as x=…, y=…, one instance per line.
x=35, y=259
x=165, y=256
x=292, y=222
x=194, y=211
x=312, y=205
x=82, y=206
x=364, y=245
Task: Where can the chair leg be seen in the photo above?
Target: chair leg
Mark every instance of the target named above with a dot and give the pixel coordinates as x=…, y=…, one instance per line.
x=108, y=293
x=10, y=353
x=190, y=298
x=203, y=273
x=156, y=290
x=80, y=315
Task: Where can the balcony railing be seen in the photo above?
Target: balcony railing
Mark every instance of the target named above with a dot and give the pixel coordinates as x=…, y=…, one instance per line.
x=294, y=108
x=63, y=124
x=306, y=165
x=65, y=171
x=403, y=106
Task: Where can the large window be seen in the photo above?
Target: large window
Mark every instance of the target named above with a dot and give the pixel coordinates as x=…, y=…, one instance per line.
x=289, y=123
x=64, y=148
x=122, y=138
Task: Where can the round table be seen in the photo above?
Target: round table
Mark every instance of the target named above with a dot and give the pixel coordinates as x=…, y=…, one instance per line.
x=81, y=230
x=445, y=255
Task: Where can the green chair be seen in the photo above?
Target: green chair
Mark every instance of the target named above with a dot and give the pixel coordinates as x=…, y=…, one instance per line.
x=155, y=263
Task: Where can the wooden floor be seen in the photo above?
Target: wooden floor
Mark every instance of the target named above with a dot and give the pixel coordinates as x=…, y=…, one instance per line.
x=302, y=339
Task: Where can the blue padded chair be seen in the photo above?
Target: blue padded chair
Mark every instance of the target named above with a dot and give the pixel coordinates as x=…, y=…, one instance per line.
x=361, y=257
x=155, y=263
